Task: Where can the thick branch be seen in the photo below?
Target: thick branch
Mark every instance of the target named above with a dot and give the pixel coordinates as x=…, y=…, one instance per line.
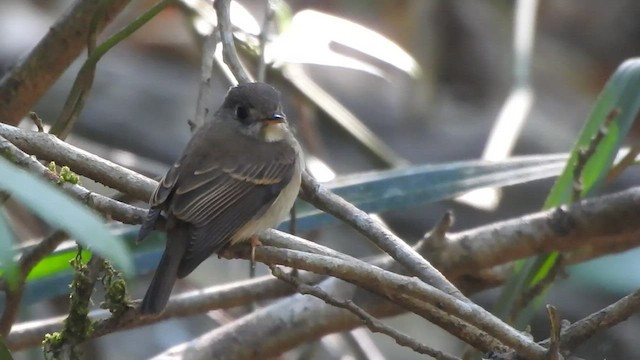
x=116, y=210
x=25, y=83
x=48, y=147
x=602, y=222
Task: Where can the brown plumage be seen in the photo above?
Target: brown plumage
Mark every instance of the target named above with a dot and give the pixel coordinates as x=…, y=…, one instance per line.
x=238, y=175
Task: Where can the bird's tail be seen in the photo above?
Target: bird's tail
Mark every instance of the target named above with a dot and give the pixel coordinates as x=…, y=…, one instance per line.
x=166, y=274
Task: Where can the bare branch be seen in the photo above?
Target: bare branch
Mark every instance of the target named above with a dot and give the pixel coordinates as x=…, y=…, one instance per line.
x=229, y=52
x=325, y=200
x=269, y=13
x=25, y=83
x=555, y=327
x=206, y=70
x=385, y=283
x=580, y=331
x=371, y=322
x=609, y=220
x=116, y=210
x=225, y=296
x=48, y=147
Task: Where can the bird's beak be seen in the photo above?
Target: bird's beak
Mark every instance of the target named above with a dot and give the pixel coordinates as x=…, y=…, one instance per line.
x=276, y=118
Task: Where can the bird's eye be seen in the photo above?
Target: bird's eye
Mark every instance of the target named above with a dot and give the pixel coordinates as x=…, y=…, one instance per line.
x=242, y=112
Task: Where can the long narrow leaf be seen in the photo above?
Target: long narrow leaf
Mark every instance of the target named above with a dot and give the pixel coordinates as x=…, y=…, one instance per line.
x=620, y=94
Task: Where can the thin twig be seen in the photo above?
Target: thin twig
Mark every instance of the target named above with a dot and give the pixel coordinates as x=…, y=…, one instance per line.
x=384, y=283
x=225, y=296
x=37, y=121
x=580, y=331
x=229, y=52
x=325, y=200
x=206, y=71
x=269, y=13
x=83, y=82
x=628, y=160
x=436, y=238
x=555, y=327
x=371, y=322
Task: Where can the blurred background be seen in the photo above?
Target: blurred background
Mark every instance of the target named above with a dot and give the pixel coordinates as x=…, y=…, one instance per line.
x=433, y=99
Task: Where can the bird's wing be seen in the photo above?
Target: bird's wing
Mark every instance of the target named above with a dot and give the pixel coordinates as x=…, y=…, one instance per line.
x=218, y=199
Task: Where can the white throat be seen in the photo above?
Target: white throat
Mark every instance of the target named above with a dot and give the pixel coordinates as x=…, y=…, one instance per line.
x=274, y=132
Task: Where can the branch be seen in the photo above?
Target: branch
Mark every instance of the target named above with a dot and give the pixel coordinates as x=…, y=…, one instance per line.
x=580, y=331
x=371, y=322
x=25, y=83
x=48, y=147
x=229, y=52
x=600, y=224
x=325, y=200
x=116, y=210
x=605, y=222
x=386, y=284
x=225, y=296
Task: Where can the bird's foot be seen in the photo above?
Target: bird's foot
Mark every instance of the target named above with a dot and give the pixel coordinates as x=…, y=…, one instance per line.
x=255, y=242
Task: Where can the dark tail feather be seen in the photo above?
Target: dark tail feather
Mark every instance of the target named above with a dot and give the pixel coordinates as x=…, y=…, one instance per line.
x=166, y=274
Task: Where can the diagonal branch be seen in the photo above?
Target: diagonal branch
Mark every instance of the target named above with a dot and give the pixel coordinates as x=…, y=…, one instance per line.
x=25, y=83
x=327, y=201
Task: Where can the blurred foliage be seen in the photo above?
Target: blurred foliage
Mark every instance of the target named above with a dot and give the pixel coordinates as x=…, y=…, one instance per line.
x=611, y=118
x=62, y=211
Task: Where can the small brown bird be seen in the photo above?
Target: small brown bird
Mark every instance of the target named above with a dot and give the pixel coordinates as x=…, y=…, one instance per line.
x=239, y=175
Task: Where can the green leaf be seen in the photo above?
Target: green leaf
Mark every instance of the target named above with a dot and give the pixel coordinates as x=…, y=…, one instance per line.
x=56, y=263
x=620, y=93
x=7, y=262
x=64, y=212
x=5, y=354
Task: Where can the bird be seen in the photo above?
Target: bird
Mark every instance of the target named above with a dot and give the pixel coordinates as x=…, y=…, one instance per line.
x=239, y=174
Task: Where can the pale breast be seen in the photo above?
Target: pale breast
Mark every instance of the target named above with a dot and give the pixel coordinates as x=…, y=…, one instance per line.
x=277, y=212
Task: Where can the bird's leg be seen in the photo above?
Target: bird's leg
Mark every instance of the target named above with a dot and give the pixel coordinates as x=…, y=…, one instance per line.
x=255, y=242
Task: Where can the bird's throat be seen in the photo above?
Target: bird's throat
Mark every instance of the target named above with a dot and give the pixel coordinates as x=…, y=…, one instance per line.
x=273, y=132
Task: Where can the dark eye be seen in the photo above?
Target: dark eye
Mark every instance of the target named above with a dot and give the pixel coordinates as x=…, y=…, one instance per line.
x=242, y=112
